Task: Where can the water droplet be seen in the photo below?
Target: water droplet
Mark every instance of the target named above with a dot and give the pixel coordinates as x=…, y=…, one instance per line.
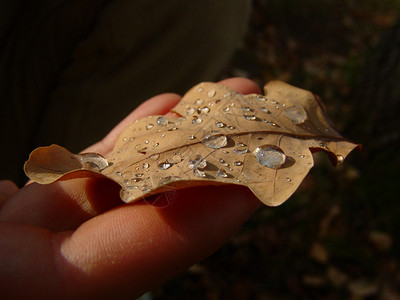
x=93, y=161
x=176, y=159
x=154, y=156
x=211, y=93
x=197, y=163
x=220, y=124
x=231, y=127
x=149, y=126
x=168, y=179
x=288, y=179
x=270, y=156
x=264, y=109
x=118, y=173
x=146, y=141
x=165, y=165
x=240, y=144
x=162, y=121
x=203, y=110
x=340, y=159
x=227, y=109
x=190, y=111
x=199, y=102
x=163, y=135
x=246, y=108
x=250, y=117
x=214, y=140
x=274, y=102
x=297, y=114
x=156, y=145
x=125, y=139
x=261, y=98
x=241, y=151
x=197, y=121
x=237, y=163
x=199, y=173
x=145, y=166
x=301, y=156
x=171, y=127
x=179, y=120
x=131, y=139
x=191, y=137
x=145, y=188
x=200, y=89
x=222, y=173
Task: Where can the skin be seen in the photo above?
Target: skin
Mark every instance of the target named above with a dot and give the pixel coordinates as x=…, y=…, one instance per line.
x=76, y=238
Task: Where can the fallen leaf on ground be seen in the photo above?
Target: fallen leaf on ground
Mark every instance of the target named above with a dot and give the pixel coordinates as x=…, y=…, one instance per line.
x=220, y=137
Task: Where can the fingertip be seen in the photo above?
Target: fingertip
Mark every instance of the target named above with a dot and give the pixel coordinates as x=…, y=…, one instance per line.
x=242, y=85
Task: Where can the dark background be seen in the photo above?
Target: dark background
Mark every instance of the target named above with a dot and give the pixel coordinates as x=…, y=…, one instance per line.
x=337, y=237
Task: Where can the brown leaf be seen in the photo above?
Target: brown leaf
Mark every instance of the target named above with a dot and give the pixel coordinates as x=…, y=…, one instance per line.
x=222, y=137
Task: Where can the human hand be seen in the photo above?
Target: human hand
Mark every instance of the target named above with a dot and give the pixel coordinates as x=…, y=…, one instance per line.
x=76, y=238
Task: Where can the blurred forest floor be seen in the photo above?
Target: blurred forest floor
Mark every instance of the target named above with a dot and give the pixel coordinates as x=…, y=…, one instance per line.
x=337, y=237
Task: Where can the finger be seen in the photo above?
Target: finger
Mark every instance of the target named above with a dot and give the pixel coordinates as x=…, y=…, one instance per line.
x=131, y=249
x=62, y=205
x=242, y=85
x=7, y=189
x=158, y=105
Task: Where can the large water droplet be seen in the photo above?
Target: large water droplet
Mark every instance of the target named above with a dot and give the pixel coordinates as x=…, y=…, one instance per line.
x=165, y=165
x=145, y=166
x=237, y=163
x=226, y=109
x=93, y=161
x=149, y=126
x=214, y=140
x=162, y=121
x=297, y=114
x=270, y=156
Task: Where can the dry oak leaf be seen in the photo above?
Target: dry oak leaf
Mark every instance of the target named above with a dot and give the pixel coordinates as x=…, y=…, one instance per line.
x=221, y=137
